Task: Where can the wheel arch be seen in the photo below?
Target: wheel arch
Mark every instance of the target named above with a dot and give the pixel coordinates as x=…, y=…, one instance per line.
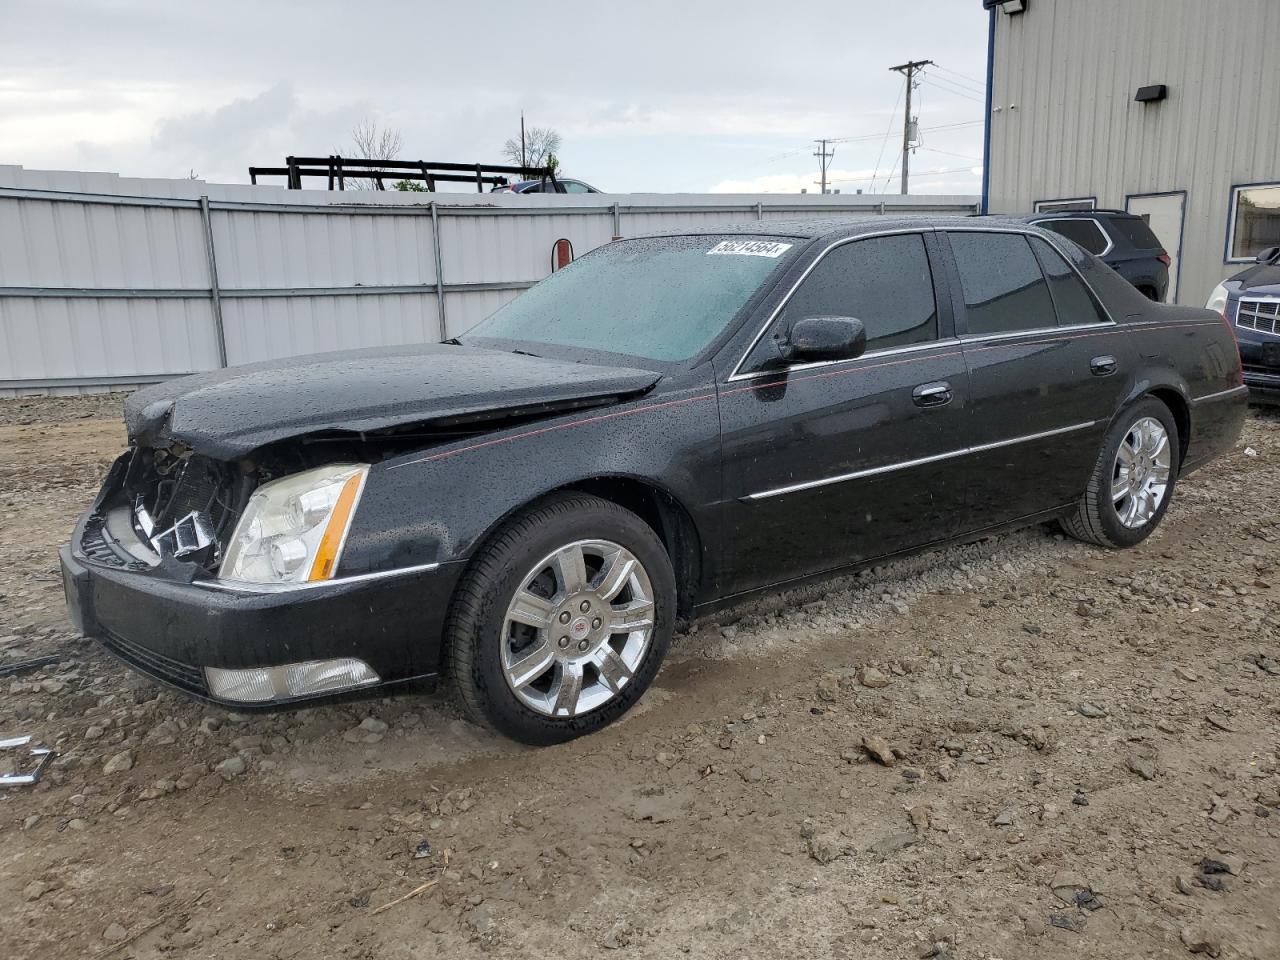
x=660, y=509
x=1181, y=410
x=666, y=515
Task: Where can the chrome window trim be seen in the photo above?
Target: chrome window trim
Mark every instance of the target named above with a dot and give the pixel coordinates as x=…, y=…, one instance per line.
x=1111, y=244
x=872, y=354
x=738, y=375
x=1034, y=331
x=1221, y=393
x=907, y=464
x=773, y=314
x=1050, y=238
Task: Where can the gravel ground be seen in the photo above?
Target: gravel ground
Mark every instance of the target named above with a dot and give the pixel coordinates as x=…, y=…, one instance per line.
x=1023, y=747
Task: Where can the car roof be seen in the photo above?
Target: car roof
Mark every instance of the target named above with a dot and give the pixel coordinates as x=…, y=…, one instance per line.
x=826, y=227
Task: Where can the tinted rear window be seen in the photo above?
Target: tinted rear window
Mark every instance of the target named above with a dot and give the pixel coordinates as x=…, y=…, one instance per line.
x=1087, y=233
x=1075, y=304
x=1004, y=290
x=1136, y=231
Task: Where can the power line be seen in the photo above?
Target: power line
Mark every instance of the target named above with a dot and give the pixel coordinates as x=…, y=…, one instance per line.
x=915, y=173
x=884, y=143
x=945, y=85
x=958, y=84
x=947, y=153
x=962, y=76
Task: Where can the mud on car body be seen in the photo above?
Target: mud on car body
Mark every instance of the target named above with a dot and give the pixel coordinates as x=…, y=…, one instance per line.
x=665, y=426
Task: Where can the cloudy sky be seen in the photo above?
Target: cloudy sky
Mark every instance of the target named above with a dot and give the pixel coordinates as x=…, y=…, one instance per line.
x=694, y=95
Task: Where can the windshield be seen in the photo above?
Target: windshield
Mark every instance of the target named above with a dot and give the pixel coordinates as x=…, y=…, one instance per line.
x=660, y=298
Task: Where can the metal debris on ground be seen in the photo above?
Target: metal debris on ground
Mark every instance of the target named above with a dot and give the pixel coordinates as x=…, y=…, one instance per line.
x=41, y=755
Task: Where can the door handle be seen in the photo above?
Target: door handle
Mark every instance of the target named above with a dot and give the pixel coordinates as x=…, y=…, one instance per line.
x=1102, y=366
x=936, y=394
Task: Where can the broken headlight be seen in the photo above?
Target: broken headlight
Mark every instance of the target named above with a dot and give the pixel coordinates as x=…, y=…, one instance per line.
x=293, y=529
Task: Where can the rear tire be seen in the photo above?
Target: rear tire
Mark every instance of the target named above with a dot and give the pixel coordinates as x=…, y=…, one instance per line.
x=1132, y=482
x=561, y=620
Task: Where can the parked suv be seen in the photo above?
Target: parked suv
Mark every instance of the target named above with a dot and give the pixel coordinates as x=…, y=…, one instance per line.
x=1250, y=303
x=1123, y=241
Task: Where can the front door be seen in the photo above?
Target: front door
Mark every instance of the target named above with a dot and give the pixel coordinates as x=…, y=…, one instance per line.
x=836, y=462
x=1163, y=213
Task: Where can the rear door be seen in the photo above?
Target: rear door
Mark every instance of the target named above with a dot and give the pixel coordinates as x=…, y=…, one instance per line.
x=835, y=462
x=1046, y=372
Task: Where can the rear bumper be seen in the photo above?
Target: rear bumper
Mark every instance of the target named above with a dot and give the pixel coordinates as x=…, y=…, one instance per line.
x=171, y=628
x=1264, y=387
x=1217, y=420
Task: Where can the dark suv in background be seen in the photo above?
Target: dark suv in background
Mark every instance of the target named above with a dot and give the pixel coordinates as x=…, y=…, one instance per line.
x=1123, y=241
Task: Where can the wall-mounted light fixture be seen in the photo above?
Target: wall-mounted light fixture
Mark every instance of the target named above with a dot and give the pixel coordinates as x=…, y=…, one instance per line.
x=1151, y=94
x=1008, y=6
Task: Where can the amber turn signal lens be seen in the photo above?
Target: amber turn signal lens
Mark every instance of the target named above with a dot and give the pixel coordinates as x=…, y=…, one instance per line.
x=336, y=530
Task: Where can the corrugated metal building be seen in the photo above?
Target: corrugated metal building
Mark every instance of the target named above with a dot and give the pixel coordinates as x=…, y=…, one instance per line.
x=1202, y=163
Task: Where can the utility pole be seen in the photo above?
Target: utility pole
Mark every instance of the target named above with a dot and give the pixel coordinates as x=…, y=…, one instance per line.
x=522, y=160
x=824, y=158
x=909, y=70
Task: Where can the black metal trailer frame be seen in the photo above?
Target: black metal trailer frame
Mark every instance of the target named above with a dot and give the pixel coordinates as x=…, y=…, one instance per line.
x=338, y=169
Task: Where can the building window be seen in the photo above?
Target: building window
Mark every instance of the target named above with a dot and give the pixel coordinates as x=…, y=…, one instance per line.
x=1255, y=221
x=1078, y=203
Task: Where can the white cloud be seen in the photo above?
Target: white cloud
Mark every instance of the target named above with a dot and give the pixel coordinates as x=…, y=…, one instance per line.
x=153, y=88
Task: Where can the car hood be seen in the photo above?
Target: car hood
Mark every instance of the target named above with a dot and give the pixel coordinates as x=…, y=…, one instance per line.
x=1255, y=277
x=228, y=413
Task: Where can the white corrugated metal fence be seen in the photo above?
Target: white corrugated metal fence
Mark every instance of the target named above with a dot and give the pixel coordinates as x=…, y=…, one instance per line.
x=107, y=282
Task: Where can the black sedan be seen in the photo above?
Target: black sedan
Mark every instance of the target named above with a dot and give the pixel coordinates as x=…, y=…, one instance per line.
x=666, y=425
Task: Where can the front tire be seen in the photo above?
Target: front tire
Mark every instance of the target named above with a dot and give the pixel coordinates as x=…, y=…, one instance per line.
x=1132, y=482
x=561, y=621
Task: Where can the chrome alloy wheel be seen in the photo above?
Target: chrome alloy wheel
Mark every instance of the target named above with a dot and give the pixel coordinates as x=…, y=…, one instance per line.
x=1140, y=477
x=578, y=628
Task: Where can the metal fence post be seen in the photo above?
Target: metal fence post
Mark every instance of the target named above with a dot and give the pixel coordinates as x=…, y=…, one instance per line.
x=435, y=246
x=215, y=297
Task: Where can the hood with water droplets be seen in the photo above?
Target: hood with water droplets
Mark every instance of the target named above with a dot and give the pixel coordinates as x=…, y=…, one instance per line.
x=227, y=414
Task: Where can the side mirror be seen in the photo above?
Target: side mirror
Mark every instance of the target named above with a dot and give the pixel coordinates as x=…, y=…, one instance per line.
x=1268, y=255
x=824, y=338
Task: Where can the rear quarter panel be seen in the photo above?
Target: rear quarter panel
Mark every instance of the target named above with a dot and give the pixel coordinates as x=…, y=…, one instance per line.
x=1187, y=355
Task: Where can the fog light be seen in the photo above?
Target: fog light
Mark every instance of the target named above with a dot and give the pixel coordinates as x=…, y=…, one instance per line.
x=244, y=686
x=321, y=675
x=260, y=684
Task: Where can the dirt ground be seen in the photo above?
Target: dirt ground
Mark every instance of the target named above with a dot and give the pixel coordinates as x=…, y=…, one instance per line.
x=1020, y=748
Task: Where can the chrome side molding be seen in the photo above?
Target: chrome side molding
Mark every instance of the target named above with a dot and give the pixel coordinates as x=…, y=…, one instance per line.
x=907, y=464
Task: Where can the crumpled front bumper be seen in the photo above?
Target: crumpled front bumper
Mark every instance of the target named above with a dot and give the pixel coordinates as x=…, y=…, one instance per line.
x=170, y=624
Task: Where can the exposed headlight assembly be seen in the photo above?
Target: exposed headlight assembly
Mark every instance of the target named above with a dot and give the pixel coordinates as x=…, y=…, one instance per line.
x=294, y=528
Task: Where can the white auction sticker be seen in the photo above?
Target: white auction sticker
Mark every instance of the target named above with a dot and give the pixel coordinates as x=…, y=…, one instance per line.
x=750, y=248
